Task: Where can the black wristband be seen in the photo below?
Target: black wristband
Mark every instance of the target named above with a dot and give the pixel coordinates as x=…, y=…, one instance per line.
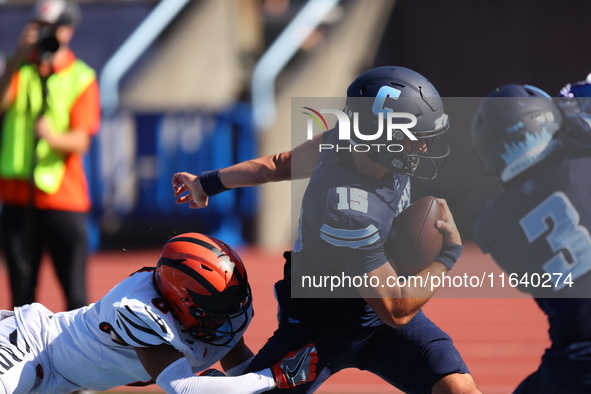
x=211, y=183
x=449, y=255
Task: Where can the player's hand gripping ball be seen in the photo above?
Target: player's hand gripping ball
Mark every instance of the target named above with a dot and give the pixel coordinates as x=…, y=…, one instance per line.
x=418, y=241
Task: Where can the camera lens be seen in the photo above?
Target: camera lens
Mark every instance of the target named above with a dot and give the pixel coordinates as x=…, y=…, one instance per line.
x=48, y=43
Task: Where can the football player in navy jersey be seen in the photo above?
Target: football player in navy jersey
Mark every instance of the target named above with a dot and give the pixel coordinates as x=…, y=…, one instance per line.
x=539, y=149
x=160, y=325
x=345, y=223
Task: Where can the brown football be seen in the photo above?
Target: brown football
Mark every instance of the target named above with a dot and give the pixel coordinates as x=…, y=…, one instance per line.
x=418, y=241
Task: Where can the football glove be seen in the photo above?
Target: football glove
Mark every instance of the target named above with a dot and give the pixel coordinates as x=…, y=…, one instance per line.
x=296, y=368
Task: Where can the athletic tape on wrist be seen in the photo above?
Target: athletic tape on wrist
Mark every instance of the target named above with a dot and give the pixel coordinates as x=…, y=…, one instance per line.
x=211, y=182
x=449, y=255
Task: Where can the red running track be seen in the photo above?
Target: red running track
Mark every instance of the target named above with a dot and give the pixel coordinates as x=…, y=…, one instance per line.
x=501, y=339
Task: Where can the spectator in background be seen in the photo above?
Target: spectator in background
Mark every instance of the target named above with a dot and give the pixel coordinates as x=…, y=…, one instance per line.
x=538, y=229
x=50, y=103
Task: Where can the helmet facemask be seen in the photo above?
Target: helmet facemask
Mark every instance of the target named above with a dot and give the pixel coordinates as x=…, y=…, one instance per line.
x=219, y=329
x=431, y=161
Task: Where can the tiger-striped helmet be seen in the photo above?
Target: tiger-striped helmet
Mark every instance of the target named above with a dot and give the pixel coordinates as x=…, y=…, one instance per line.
x=204, y=282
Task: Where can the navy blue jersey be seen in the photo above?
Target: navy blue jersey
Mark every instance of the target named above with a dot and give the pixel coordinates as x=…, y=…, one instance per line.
x=540, y=225
x=346, y=219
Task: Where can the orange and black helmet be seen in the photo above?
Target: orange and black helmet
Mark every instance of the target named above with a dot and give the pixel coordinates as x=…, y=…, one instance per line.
x=204, y=282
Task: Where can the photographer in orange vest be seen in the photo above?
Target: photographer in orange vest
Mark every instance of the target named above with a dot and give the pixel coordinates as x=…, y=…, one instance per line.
x=50, y=105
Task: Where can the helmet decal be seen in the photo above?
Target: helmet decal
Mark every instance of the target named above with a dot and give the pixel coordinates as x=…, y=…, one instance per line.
x=521, y=155
x=513, y=129
x=378, y=107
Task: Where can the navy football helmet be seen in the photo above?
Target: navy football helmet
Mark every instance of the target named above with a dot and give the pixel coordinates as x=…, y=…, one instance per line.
x=398, y=89
x=577, y=102
x=513, y=129
x=577, y=89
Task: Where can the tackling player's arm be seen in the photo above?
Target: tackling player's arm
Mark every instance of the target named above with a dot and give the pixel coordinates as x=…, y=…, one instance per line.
x=396, y=305
x=155, y=359
x=172, y=372
x=295, y=164
x=237, y=359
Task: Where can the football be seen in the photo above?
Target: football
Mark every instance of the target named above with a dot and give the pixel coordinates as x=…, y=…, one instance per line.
x=418, y=241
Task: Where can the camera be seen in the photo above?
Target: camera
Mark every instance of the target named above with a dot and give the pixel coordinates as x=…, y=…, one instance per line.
x=47, y=44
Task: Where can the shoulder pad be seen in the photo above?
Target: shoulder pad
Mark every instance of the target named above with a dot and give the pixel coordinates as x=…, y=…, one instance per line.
x=138, y=325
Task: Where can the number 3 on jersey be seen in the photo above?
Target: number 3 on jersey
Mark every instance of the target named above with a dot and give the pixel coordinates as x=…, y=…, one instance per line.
x=354, y=199
x=569, y=241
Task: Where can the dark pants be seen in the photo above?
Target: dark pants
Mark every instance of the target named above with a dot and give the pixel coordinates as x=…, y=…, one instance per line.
x=412, y=358
x=25, y=232
x=563, y=370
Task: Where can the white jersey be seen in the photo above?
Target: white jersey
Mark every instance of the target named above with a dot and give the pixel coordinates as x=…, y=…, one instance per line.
x=93, y=347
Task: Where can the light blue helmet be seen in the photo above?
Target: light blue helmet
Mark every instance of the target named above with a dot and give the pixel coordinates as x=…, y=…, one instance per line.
x=513, y=128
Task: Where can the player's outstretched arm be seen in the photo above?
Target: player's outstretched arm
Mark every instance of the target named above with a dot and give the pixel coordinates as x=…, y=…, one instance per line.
x=396, y=305
x=298, y=367
x=295, y=164
x=173, y=374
